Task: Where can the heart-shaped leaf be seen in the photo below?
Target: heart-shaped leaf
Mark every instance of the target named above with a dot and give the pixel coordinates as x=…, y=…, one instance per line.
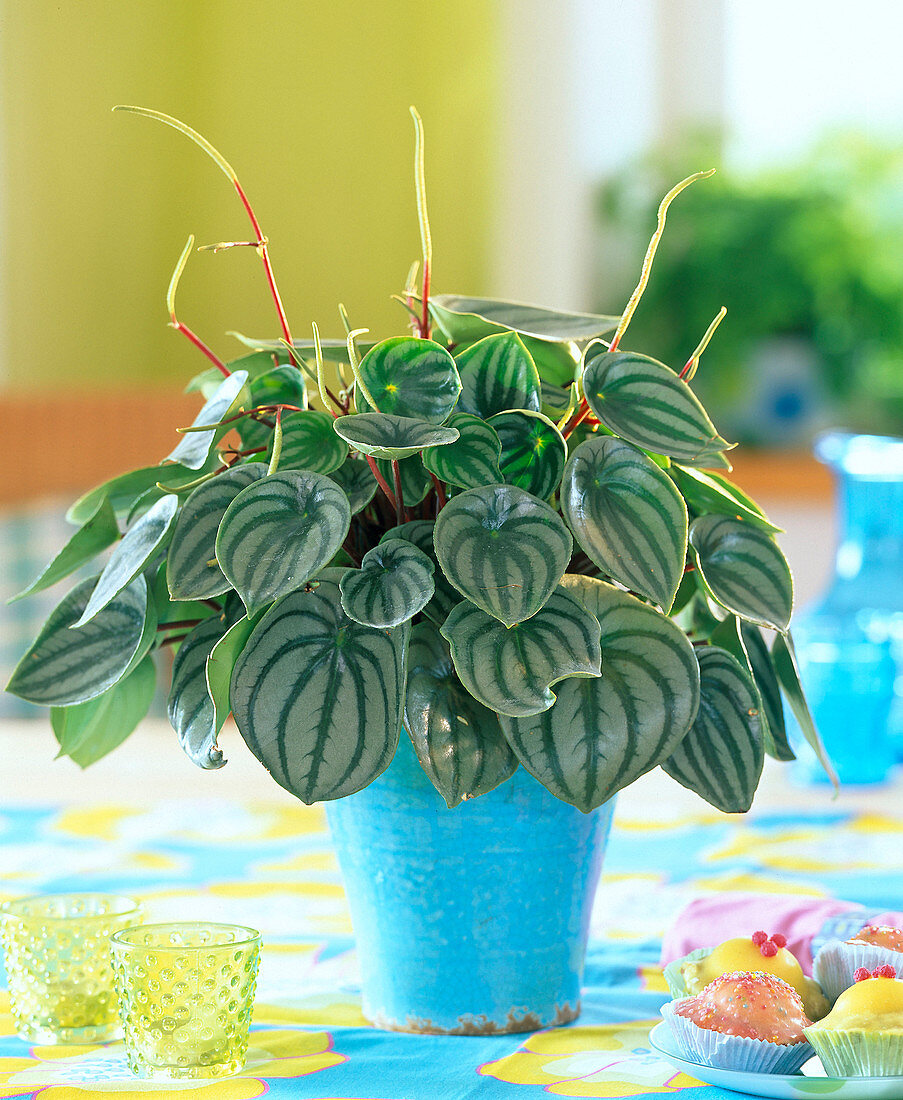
x=627, y=516
x=458, y=741
x=533, y=451
x=124, y=491
x=193, y=449
x=279, y=532
x=743, y=569
x=604, y=733
x=139, y=544
x=742, y=640
x=191, y=711
x=557, y=362
x=415, y=481
x=504, y=549
x=410, y=377
x=99, y=532
x=646, y=403
x=394, y=582
x=390, y=436
x=511, y=669
x=464, y=319
x=317, y=697
x=472, y=461
x=721, y=757
x=309, y=443
x=67, y=664
x=709, y=493
x=191, y=568
x=355, y=478
x=497, y=373
x=783, y=654
x=86, y=732
x=283, y=385
x=420, y=533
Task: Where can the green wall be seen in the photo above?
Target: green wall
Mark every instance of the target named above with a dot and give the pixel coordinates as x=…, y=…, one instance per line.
x=309, y=102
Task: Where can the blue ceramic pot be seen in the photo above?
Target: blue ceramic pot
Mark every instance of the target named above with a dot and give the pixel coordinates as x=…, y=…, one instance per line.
x=470, y=921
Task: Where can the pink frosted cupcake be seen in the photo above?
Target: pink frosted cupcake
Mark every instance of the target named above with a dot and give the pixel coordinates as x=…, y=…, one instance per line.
x=871, y=947
x=751, y=1022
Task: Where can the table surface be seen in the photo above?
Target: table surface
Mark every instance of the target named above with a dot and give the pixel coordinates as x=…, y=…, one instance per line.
x=232, y=846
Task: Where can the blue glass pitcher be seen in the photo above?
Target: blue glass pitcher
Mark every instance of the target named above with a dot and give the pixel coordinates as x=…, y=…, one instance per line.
x=850, y=642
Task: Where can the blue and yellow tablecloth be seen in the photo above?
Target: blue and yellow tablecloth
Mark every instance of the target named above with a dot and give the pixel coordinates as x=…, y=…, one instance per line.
x=273, y=868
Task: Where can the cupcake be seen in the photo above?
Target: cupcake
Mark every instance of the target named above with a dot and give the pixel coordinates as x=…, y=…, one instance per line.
x=750, y=1022
x=862, y=1035
x=872, y=946
x=758, y=952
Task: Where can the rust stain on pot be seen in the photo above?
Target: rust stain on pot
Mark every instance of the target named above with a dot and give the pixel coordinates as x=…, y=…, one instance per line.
x=516, y=1021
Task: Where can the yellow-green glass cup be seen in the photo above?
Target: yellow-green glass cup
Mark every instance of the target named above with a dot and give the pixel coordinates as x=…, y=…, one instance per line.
x=57, y=955
x=186, y=994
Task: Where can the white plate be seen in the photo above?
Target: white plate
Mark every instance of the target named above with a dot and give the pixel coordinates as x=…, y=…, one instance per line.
x=810, y=1081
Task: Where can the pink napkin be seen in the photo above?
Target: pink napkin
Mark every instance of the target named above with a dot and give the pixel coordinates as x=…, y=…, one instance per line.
x=713, y=918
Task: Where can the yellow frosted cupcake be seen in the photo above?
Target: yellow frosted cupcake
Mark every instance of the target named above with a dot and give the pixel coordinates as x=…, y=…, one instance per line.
x=756, y=953
x=862, y=1035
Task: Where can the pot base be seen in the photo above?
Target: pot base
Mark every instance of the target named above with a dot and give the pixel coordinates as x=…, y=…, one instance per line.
x=479, y=1025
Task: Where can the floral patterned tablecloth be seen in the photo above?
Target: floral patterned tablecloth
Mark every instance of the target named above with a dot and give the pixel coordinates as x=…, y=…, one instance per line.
x=273, y=868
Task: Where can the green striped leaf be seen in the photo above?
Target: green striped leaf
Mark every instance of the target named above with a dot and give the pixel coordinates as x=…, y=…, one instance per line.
x=410, y=377
x=67, y=664
x=533, y=451
x=646, y=403
x=193, y=449
x=721, y=757
x=86, y=732
x=604, y=733
x=317, y=697
x=415, y=481
x=394, y=582
x=124, y=491
x=464, y=319
x=511, y=669
x=472, y=460
x=458, y=741
x=503, y=549
x=219, y=672
x=743, y=569
x=336, y=351
x=557, y=363
x=192, y=571
x=745, y=642
x=309, y=443
x=99, y=532
x=138, y=545
x=355, y=478
x=420, y=533
x=556, y=400
x=497, y=373
x=390, y=436
x=627, y=516
x=279, y=532
x=709, y=493
x=283, y=385
x=783, y=655
x=189, y=706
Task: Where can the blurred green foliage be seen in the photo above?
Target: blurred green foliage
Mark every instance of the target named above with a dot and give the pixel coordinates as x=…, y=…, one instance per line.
x=813, y=250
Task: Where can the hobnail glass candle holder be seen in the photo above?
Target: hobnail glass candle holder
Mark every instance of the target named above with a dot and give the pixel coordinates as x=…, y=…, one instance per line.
x=186, y=994
x=57, y=957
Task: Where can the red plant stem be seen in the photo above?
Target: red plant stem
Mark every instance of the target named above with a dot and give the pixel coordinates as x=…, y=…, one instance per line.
x=440, y=491
x=381, y=481
x=244, y=454
x=213, y=604
x=583, y=415
x=399, y=497
x=683, y=374
x=425, y=316
x=264, y=255
x=173, y=639
x=180, y=624
x=613, y=346
x=347, y=548
x=199, y=343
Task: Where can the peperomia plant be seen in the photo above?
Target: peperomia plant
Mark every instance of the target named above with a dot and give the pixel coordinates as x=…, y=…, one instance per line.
x=501, y=502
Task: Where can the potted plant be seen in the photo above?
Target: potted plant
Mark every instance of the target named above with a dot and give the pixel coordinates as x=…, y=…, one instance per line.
x=384, y=591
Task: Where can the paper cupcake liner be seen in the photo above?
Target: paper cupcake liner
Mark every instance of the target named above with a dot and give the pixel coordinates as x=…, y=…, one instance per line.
x=676, y=984
x=836, y=963
x=858, y=1053
x=733, y=1052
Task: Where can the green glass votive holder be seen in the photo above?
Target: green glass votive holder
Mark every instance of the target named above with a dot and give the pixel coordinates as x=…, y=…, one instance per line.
x=186, y=994
x=57, y=955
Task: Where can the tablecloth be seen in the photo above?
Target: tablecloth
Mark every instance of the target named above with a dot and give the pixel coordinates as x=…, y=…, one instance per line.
x=273, y=868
